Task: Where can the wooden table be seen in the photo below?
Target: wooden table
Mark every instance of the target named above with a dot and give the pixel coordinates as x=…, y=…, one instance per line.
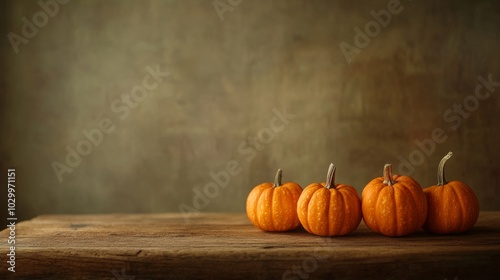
x=227, y=246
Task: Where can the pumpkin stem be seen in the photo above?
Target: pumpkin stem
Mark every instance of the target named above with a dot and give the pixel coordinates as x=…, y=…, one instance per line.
x=330, y=177
x=441, y=180
x=277, y=179
x=388, y=174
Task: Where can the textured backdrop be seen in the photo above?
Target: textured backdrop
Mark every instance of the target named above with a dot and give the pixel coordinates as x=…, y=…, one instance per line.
x=148, y=106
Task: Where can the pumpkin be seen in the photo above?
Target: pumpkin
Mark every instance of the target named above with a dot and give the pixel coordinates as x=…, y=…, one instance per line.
x=453, y=206
x=329, y=209
x=393, y=205
x=273, y=207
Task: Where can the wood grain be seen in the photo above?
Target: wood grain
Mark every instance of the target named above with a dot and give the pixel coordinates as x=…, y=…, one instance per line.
x=227, y=246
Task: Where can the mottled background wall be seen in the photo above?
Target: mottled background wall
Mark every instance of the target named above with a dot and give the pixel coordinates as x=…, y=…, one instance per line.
x=226, y=78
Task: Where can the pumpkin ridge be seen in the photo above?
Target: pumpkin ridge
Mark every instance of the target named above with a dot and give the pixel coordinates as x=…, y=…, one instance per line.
x=271, y=209
x=309, y=206
x=348, y=196
x=328, y=202
x=291, y=208
x=462, y=207
x=261, y=196
x=343, y=216
x=260, y=217
x=256, y=207
x=318, y=213
x=445, y=209
x=308, y=194
x=289, y=218
x=291, y=188
x=255, y=203
x=251, y=204
x=291, y=195
x=412, y=200
x=380, y=211
x=473, y=204
x=282, y=200
x=444, y=222
x=392, y=201
x=415, y=200
x=305, y=210
x=397, y=190
x=375, y=215
x=441, y=212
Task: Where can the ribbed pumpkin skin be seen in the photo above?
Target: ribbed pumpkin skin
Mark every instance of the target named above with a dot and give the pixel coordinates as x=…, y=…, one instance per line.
x=396, y=210
x=453, y=208
x=274, y=208
x=329, y=212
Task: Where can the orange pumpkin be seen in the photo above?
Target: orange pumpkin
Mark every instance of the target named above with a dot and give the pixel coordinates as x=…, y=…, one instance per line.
x=329, y=209
x=273, y=207
x=453, y=206
x=393, y=205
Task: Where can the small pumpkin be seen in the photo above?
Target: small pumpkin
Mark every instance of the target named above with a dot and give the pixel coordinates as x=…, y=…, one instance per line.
x=393, y=205
x=453, y=206
x=273, y=207
x=329, y=209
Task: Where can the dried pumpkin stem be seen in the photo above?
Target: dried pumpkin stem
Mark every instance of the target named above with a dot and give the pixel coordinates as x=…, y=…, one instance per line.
x=441, y=179
x=330, y=177
x=388, y=174
x=277, y=178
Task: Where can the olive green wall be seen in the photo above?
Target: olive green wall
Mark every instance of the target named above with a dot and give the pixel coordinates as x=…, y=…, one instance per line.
x=241, y=89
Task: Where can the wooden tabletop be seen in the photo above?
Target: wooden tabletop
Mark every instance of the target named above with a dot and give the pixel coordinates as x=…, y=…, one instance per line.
x=227, y=246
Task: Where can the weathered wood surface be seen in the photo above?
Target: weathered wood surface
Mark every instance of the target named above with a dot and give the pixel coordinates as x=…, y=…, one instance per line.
x=227, y=246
